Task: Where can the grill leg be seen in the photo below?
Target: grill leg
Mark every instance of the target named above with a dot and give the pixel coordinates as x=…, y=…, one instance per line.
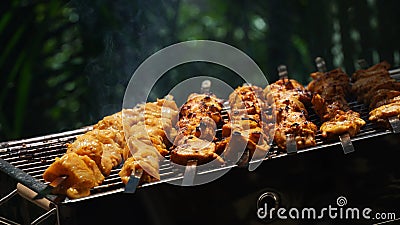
x=44, y=216
x=7, y=197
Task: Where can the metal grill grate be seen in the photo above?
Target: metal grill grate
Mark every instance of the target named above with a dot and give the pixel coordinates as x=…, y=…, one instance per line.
x=34, y=155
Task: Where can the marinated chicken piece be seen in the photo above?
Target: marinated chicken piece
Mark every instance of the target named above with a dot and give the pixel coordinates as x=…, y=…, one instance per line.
x=194, y=148
x=104, y=144
x=329, y=100
x=247, y=124
x=284, y=88
x=198, y=120
x=93, y=154
x=344, y=122
x=149, y=133
x=381, y=114
x=290, y=98
x=129, y=168
x=81, y=174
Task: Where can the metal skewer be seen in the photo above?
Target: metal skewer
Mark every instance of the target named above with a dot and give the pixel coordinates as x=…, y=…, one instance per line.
x=345, y=140
x=291, y=146
x=133, y=181
x=395, y=124
x=190, y=173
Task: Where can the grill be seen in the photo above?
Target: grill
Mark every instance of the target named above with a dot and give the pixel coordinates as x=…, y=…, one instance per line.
x=26, y=160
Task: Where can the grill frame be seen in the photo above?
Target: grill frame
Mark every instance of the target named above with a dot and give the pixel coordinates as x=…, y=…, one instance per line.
x=40, y=152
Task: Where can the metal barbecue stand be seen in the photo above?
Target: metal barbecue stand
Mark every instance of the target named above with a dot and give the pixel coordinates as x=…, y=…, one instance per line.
x=26, y=160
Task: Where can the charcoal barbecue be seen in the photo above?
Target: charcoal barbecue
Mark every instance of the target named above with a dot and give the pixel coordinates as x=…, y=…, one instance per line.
x=26, y=160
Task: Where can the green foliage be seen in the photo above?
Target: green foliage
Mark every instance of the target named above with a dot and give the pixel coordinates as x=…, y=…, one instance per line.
x=66, y=64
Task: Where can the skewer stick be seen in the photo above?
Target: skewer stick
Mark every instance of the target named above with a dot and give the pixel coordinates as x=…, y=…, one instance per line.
x=345, y=140
x=134, y=178
x=346, y=143
x=363, y=64
x=49, y=188
x=291, y=146
x=395, y=124
x=133, y=181
x=394, y=120
x=282, y=72
x=321, y=65
x=190, y=173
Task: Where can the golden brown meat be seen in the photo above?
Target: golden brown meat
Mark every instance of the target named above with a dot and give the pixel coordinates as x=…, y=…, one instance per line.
x=329, y=101
x=92, y=155
x=289, y=98
x=105, y=144
x=81, y=172
x=149, y=133
x=198, y=120
x=344, y=122
x=381, y=114
x=100, y=149
x=247, y=125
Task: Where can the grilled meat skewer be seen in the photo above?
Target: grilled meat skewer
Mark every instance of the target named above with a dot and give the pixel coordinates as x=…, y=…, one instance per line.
x=376, y=88
x=92, y=155
x=198, y=120
x=290, y=98
x=149, y=134
x=329, y=100
x=247, y=129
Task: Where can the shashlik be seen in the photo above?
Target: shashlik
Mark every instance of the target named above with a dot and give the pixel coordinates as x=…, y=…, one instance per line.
x=149, y=134
x=247, y=129
x=290, y=98
x=375, y=87
x=90, y=158
x=329, y=100
x=198, y=120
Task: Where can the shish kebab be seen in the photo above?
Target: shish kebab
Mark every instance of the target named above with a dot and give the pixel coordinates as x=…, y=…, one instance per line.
x=293, y=129
x=90, y=158
x=375, y=87
x=329, y=91
x=248, y=129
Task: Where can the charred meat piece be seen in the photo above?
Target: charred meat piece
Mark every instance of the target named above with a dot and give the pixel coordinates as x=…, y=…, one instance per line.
x=383, y=97
x=290, y=99
x=329, y=100
x=374, y=70
x=198, y=120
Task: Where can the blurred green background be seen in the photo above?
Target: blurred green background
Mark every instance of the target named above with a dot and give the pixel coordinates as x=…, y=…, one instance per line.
x=65, y=64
